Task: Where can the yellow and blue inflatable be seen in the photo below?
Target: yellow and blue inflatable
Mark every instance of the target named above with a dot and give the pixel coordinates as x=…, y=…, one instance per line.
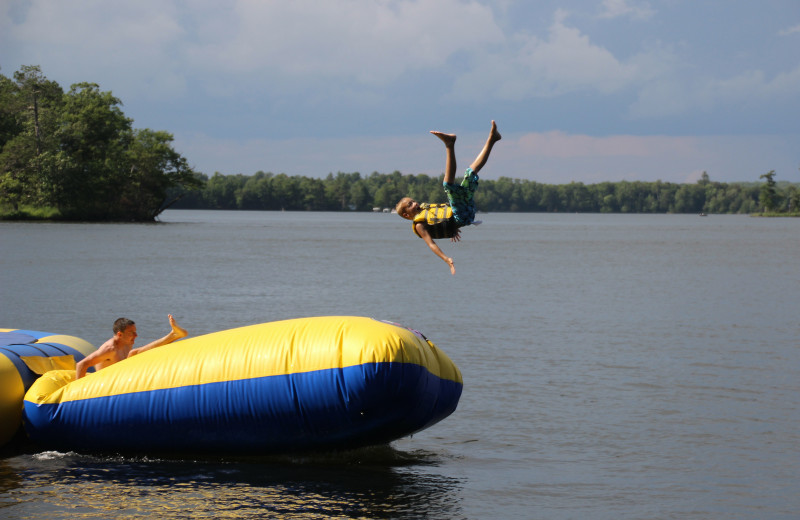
x=24, y=355
x=294, y=385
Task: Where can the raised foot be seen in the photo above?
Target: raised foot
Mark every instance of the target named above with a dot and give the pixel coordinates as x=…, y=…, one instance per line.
x=494, y=136
x=177, y=331
x=448, y=139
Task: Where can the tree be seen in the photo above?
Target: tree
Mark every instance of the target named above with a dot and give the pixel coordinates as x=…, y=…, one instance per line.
x=78, y=152
x=313, y=194
x=153, y=167
x=768, y=196
x=338, y=189
x=359, y=194
x=690, y=198
x=549, y=201
x=284, y=189
x=793, y=198
x=30, y=109
x=11, y=113
x=385, y=196
x=90, y=166
x=220, y=191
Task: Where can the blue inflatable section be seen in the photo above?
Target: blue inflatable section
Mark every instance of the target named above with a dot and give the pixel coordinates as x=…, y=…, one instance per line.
x=25, y=343
x=373, y=403
x=24, y=355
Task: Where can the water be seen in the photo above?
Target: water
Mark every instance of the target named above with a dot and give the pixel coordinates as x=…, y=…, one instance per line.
x=615, y=366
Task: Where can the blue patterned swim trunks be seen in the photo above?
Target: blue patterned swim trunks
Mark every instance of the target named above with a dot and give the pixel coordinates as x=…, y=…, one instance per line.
x=460, y=197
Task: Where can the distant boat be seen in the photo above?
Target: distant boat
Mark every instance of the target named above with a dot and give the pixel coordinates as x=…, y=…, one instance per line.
x=703, y=214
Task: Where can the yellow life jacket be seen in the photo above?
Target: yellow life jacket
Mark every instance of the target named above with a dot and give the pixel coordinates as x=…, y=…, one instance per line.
x=438, y=220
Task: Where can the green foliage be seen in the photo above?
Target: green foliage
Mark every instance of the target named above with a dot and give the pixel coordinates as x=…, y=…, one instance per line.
x=351, y=191
x=29, y=117
x=151, y=168
x=29, y=213
x=78, y=152
x=768, y=195
x=793, y=196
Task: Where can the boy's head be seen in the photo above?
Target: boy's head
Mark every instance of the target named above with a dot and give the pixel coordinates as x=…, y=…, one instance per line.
x=407, y=208
x=121, y=324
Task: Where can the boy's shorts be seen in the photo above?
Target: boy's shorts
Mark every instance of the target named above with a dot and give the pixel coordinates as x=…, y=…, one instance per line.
x=460, y=197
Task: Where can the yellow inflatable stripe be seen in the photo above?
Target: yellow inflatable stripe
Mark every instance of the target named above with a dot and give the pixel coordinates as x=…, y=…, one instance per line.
x=11, y=392
x=40, y=364
x=81, y=345
x=50, y=386
x=295, y=346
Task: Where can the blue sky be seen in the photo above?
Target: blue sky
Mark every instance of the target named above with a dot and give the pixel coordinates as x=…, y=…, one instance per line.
x=582, y=90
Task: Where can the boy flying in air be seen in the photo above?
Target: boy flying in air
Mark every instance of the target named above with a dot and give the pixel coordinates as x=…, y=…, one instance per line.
x=431, y=221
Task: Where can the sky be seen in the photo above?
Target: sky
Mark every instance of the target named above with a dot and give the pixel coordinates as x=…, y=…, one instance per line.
x=582, y=90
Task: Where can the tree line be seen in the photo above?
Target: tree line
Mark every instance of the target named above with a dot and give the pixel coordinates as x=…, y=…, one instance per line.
x=74, y=155
x=352, y=191
x=77, y=154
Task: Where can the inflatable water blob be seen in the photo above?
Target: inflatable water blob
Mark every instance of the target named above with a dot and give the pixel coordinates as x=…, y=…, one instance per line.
x=24, y=356
x=285, y=386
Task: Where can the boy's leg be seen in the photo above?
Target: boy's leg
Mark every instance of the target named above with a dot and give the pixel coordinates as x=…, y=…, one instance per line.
x=462, y=202
x=449, y=141
x=479, y=161
x=461, y=198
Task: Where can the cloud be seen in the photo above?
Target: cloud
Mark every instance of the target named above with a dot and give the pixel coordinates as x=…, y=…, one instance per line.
x=790, y=30
x=133, y=41
x=124, y=25
x=558, y=157
x=270, y=55
x=313, y=157
x=233, y=47
x=562, y=145
x=659, y=79
x=565, y=61
x=252, y=48
x=251, y=69
x=369, y=43
x=675, y=96
x=619, y=8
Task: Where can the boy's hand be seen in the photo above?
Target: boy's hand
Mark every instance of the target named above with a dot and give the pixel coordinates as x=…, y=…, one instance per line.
x=456, y=237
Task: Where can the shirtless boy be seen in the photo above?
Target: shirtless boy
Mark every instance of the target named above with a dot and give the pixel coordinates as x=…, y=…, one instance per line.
x=120, y=345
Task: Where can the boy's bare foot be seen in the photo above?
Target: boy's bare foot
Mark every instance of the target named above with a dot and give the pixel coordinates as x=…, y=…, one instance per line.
x=494, y=136
x=448, y=139
x=178, y=332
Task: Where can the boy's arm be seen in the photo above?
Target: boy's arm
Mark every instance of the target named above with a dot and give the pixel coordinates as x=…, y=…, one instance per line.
x=98, y=356
x=423, y=233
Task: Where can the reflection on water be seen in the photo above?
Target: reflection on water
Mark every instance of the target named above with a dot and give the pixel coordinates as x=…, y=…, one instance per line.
x=378, y=482
x=9, y=479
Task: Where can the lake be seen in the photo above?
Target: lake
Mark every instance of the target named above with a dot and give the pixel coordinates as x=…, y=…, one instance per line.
x=615, y=366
